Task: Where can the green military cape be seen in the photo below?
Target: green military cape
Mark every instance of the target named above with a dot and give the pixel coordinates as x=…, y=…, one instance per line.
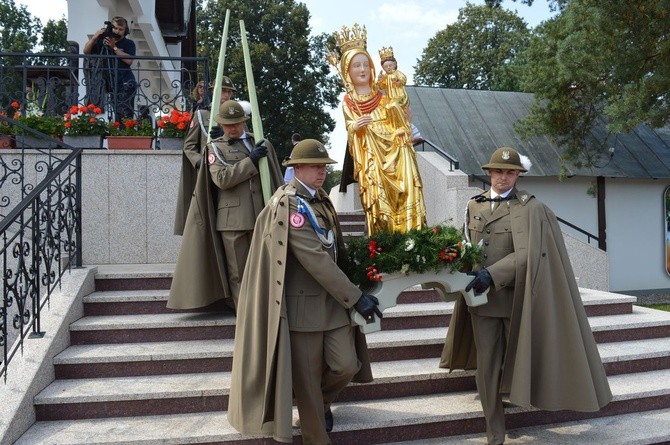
x=200, y=277
x=261, y=396
x=552, y=360
x=187, y=181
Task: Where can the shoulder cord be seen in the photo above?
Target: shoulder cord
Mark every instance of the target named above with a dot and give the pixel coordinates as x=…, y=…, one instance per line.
x=326, y=239
x=214, y=147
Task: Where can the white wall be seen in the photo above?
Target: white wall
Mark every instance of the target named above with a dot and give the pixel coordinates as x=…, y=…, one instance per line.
x=569, y=200
x=636, y=234
x=129, y=199
x=635, y=225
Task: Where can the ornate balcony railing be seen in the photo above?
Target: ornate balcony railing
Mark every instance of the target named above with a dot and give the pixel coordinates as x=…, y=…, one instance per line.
x=50, y=83
x=40, y=237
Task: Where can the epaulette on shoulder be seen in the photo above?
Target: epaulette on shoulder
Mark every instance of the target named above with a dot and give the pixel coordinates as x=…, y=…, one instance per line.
x=523, y=196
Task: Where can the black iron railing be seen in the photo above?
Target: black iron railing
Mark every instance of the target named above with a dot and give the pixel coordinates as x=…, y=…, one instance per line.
x=40, y=237
x=50, y=84
x=421, y=146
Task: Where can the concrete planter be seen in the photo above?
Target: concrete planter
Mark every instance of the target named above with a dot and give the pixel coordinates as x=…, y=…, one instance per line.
x=83, y=141
x=24, y=141
x=171, y=143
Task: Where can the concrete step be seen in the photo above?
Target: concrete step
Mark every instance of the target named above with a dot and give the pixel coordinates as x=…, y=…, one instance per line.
x=151, y=328
x=117, y=302
x=133, y=276
x=411, y=303
x=642, y=323
x=649, y=427
x=369, y=421
x=132, y=359
x=205, y=390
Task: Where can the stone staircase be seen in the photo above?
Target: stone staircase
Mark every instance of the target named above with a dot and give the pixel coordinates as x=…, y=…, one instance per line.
x=138, y=373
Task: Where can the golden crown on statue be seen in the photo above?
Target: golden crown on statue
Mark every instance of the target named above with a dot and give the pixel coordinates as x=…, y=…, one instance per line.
x=386, y=53
x=350, y=38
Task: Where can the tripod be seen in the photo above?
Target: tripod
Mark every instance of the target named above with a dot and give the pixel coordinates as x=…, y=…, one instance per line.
x=106, y=89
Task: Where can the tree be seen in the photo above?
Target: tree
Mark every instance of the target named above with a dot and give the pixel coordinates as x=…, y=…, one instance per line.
x=54, y=37
x=54, y=40
x=599, y=61
x=19, y=31
x=293, y=80
x=477, y=52
x=553, y=4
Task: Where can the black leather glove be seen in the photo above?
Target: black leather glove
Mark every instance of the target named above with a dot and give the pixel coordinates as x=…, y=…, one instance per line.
x=481, y=282
x=367, y=306
x=259, y=151
x=216, y=132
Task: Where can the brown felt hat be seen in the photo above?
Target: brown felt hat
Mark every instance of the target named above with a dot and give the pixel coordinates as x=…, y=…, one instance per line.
x=308, y=151
x=225, y=83
x=505, y=158
x=231, y=112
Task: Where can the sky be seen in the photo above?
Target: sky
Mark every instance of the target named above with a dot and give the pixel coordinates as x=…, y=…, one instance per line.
x=406, y=25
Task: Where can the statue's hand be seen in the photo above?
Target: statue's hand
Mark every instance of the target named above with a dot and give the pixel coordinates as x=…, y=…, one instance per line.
x=362, y=122
x=400, y=132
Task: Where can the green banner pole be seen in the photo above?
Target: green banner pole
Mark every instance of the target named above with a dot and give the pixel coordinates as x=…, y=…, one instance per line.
x=255, y=115
x=216, y=96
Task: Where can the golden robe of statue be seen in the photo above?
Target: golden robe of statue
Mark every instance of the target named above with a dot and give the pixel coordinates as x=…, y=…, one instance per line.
x=379, y=139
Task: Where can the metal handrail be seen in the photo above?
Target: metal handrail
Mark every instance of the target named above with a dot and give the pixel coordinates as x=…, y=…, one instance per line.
x=454, y=164
x=40, y=239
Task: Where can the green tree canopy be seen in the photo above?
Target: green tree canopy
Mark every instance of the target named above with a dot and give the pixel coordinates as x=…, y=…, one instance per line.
x=553, y=4
x=19, y=31
x=292, y=78
x=606, y=60
x=478, y=52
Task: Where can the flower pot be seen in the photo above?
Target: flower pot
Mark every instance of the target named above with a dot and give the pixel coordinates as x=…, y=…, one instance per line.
x=7, y=141
x=171, y=143
x=25, y=141
x=83, y=141
x=129, y=142
x=391, y=286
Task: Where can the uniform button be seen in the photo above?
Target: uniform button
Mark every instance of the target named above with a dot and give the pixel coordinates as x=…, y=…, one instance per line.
x=281, y=223
x=279, y=282
x=282, y=203
x=281, y=243
x=486, y=243
x=486, y=256
x=488, y=231
x=279, y=262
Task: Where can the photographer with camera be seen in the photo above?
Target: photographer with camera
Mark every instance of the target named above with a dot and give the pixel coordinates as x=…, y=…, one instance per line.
x=113, y=75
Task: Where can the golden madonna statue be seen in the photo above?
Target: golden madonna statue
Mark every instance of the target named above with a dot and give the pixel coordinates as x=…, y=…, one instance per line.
x=379, y=141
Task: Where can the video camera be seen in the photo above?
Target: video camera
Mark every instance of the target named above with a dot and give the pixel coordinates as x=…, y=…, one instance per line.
x=109, y=32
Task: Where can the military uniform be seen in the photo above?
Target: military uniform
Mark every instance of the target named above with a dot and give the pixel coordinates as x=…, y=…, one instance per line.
x=195, y=143
x=239, y=198
x=195, y=140
x=491, y=322
x=301, y=327
x=532, y=339
x=220, y=224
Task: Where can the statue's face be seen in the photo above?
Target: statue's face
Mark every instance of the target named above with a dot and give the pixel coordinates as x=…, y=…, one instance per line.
x=359, y=70
x=389, y=66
